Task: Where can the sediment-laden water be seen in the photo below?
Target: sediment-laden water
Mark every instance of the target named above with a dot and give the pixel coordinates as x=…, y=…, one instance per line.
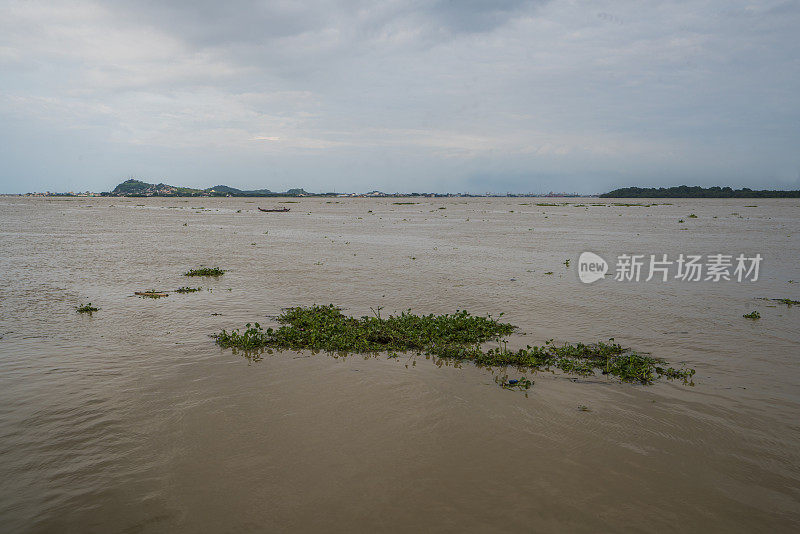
x=133, y=420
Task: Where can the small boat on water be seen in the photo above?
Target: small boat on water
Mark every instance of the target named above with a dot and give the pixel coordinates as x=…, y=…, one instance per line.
x=279, y=210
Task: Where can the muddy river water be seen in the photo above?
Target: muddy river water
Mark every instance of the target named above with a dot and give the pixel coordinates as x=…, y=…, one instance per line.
x=133, y=420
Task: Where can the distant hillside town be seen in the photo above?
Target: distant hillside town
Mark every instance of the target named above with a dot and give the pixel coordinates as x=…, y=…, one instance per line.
x=138, y=188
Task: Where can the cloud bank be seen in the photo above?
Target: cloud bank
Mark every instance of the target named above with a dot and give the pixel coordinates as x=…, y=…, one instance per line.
x=402, y=95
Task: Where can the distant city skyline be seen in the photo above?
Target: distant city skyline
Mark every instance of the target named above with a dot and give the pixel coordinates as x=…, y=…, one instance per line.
x=502, y=96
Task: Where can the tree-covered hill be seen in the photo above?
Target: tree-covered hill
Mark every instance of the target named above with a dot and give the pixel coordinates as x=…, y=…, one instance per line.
x=137, y=188
x=685, y=191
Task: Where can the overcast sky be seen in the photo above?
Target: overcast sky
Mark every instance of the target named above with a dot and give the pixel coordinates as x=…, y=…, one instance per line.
x=401, y=95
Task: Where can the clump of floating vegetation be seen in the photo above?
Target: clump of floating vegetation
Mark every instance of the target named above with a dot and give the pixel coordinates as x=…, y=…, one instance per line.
x=692, y=216
x=187, y=289
x=151, y=294
x=326, y=328
x=86, y=308
x=456, y=336
x=788, y=302
x=205, y=271
x=752, y=315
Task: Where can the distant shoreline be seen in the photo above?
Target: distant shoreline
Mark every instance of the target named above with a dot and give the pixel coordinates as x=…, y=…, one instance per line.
x=411, y=198
x=685, y=191
x=136, y=189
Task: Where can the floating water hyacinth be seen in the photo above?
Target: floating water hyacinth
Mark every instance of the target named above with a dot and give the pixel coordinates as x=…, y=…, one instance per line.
x=187, y=289
x=456, y=336
x=205, y=271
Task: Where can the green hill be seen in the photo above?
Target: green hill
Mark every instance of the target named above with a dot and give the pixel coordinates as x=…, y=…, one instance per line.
x=137, y=188
x=684, y=191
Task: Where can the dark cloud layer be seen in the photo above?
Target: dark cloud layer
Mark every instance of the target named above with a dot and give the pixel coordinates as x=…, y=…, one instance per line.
x=399, y=95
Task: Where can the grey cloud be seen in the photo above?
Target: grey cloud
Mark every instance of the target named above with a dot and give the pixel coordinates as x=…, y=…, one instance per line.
x=209, y=22
x=475, y=15
x=437, y=94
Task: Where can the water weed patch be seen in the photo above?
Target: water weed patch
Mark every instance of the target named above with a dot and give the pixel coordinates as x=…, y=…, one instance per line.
x=187, y=289
x=205, y=271
x=458, y=336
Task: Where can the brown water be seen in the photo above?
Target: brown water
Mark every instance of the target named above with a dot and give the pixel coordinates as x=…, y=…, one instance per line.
x=132, y=420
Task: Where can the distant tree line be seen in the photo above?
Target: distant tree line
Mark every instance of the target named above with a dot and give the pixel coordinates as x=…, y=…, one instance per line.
x=685, y=191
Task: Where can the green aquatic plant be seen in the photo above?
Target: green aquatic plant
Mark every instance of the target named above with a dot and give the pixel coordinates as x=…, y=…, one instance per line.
x=458, y=337
x=585, y=360
x=152, y=294
x=752, y=315
x=326, y=328
x=788, y=302
x=692, y=216
x=187, y=289
x=205, y=271
x=86, y=308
